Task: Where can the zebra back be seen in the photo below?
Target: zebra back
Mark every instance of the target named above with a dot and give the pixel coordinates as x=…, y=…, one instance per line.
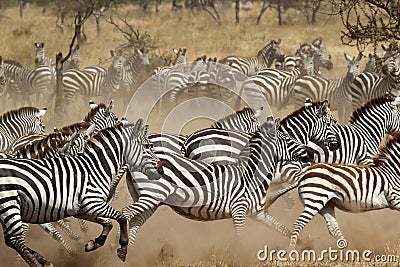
x=19, y=122
x=245, y=120
x=251, y=65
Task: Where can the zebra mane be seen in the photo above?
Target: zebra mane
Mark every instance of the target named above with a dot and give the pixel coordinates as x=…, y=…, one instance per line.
x=5, y=117
x=268, y=47
x=385, y=150
x=244, y=111
x=314, y=104
x=93, y=112
x=13, y=62
x=46, y=144
x=73, y=128
x=370, y=104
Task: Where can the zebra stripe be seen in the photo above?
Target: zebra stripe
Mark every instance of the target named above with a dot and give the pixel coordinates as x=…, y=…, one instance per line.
x=3, y=77
x=131, y=70
x=251, y=65
x=324, y=187
x=274, y=85
x=70, y=186
x=93, y=81
x=367, y=86
x=28, y=81
x=337, y=91
x=367, y=129
x=204, y=192
x=17, y=123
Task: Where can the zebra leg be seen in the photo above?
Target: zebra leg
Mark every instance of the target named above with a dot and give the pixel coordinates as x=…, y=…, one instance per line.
x=65, y=225
x=102, y=209
x=239, y=211
x=305, y=217
x=83, y=225
x=328, y=212
x=138, y=213
x=270, y=221
x=49, y=228
x=14, y=235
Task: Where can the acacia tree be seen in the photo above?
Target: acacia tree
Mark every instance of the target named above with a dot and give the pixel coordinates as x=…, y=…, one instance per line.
x=368, y=22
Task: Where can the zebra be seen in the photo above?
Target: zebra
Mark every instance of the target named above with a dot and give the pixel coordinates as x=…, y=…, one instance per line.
x=274, y=85
x=326, y=186
x=91, y=81
x=80, y=185
x=368, y=85
x=75, y=59
x=26, y=81
x=318, y=47
x=361, y=138
x=337, y=91
x=245, y=120
x=251, y=65
x=19, y=122
x=132, y=68
x=204, y=192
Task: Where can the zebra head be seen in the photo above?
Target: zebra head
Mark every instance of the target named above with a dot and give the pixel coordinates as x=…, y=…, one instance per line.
x=324, y=57
x=288, y=148
x=270, y=52
x=101, y=115
x=39, y=54
x=353, y=66
x=142, y=57
x=116, y=64
x=38, y=126
x=180, y=56
x=322, y=133
x=307, y=65
x=137, y=156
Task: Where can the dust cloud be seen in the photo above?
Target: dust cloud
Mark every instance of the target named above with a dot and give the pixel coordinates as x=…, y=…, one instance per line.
x=170, y=240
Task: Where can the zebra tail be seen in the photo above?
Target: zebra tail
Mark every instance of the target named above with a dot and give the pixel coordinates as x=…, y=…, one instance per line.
x=271, y=199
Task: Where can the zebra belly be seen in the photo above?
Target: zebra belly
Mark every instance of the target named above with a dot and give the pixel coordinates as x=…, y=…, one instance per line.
x=204, y=213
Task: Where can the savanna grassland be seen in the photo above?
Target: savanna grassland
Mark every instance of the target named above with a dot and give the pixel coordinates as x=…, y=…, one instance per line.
x=168, y=239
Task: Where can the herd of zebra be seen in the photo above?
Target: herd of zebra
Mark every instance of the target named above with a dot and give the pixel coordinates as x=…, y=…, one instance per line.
x=223, y=171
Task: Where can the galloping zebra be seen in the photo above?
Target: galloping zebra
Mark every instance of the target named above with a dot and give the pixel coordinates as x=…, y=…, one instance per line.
x=131, y=69
x=204, y=192
x=337, y=91
x=368, y=85
x=274, y=85
x=17, y=123
x=310, y=123
x=26, y=81
x=92, y=81
x=245, y=120
x=324, y=187
x=361, y=138
x=79, y=184
x=251, y=65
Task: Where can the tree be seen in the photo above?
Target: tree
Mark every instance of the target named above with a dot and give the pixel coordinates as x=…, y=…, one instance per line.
x=368, y=22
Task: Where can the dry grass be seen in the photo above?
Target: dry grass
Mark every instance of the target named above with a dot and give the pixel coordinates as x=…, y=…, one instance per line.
x=167, y=239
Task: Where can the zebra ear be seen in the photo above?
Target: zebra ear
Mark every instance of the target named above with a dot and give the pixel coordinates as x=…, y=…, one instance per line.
x=89, y=131
x=307, y=103
x=138, y=127
x=347, y=57
x=41, y=112
x=360, y=56
x=112, y=53
x=258, y=113
x=92, y=105
x=110, y=106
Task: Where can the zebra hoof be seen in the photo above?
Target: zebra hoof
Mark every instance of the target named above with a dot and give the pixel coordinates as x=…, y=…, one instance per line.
x=121, y=252
x=48, y=264
x=90, y=246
